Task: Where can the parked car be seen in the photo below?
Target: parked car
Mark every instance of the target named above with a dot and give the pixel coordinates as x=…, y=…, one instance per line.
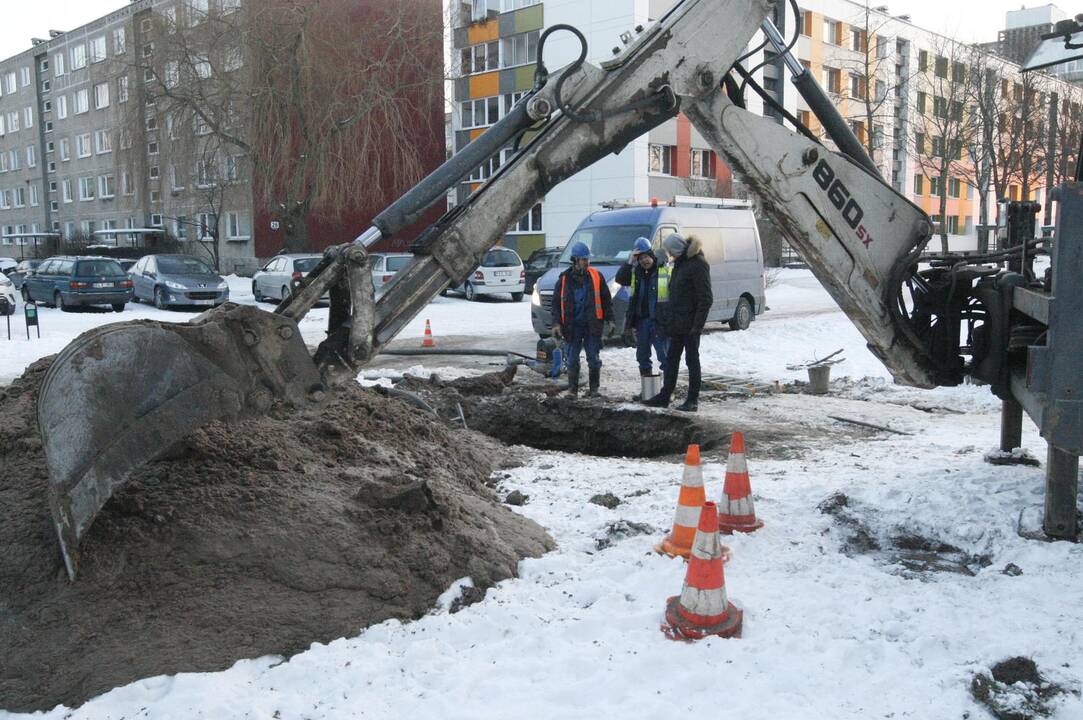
x=385, y=265
x=68, y=281
x=538, y=263
x=126, y=264
x=7, y=296
x=275, y=280
x=171, y=280
x=24, y=268
x=7, y=265
x=501, y=271
x=731, y=245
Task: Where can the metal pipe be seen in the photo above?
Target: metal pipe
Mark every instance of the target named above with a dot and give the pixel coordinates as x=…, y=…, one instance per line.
x=369, y=237
x=1061, y=486
x=452, y=351
x=821, y=106
x=1011, y=425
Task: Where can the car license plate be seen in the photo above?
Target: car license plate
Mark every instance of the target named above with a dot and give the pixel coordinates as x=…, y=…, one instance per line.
x=203, y=302
x=103, y=285
x=503, y=273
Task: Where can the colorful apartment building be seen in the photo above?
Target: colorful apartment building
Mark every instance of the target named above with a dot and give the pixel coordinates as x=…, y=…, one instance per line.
x=886, y=75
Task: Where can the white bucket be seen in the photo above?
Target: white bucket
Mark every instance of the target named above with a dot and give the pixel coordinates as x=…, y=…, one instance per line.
x=818, y=378
x=649, y=386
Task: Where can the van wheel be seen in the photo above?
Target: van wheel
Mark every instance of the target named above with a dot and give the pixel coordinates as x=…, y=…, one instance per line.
x=742, y=316
x=58, y=302
x=255, y=292
x=470, y=293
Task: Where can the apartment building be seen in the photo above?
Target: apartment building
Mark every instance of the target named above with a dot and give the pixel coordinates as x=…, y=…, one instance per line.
x=92, y=151
x=882, y=71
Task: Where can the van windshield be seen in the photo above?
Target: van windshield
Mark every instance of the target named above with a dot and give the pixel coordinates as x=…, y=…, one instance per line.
x=609, y=244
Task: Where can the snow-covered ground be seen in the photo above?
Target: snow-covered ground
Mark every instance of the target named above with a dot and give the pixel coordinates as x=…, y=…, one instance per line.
x=830, y=630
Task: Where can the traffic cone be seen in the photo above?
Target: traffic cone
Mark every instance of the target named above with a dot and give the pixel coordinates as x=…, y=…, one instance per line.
x=428, y=341
x=689, y=502
x=736, y=513
x=702, y=608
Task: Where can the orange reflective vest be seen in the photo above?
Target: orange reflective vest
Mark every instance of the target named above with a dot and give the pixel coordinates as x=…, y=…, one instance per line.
x=596, y=277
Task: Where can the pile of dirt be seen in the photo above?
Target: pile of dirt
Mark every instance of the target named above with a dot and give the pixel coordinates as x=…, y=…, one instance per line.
x=1014, y=689
x=258, y=538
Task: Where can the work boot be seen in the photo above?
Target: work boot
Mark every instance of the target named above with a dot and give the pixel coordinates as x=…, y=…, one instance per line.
x=573, y=381
x=659, y=401
x=594, y=377
x=688, y=406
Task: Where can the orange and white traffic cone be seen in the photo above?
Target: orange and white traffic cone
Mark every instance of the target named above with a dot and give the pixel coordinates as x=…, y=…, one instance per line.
x=689, y=502
x=736, y=513
x=428, y=341
x=702, y=608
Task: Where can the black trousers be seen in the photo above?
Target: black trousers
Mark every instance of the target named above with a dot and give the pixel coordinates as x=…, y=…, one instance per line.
x=689, y=345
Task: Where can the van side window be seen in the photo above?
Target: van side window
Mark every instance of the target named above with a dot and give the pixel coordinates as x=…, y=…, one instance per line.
x=663, y=232
x=740, y=244
x=711, y=239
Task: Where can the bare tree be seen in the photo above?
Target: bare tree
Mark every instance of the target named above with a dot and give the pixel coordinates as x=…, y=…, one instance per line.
x=942, y=126
x=1018, y=134
x=322, y=98
x=1067, y=135
x=872, y=83
x=983, y=76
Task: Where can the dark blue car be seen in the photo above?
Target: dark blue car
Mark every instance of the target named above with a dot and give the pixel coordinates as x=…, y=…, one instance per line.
x=72, y=281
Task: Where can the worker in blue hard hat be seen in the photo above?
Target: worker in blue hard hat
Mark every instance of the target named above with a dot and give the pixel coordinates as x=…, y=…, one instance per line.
x=582, y=309
x=648, y=281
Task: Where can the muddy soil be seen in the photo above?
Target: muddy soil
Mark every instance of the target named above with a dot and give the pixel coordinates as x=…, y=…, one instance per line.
x=259, y=538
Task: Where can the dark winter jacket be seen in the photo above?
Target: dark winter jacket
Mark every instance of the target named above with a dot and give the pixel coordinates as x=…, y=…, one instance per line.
x=564, y=300
x=646, y=291
x=690, y=295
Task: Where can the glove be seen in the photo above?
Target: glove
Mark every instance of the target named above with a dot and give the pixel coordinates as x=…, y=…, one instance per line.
x=629, y=338
x=609, y=329
x=558, y=333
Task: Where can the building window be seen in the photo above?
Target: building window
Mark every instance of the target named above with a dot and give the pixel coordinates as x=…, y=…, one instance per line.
x=832, y=32
x=28, y=117
x=86, y=188
x=78, y=57
x=235, y=226
x=81, y=101
x=148, y=49
x=919, y=184
x=82, y=145
x=51, y=166
x=58, y=64
x=125, y=139
x=13, y=159
x=858, y=86
x=103, y=141
x=660, y=159
x=955, y=187
x=155, y=196
x=126, y=185
x=47, y=106
x=48, y=126
x=120, y=41
x=207, y=226
x=52, y=186
x=20, y=197
x=481, y=57
x=106, y=186
x=46, y=86
x=934, y=186
x=702, y=164
x=806, y=23
x=50, y=146
x=34, y=200
x=485, y=170
x=122, y=88
x=519, y=49
x=97, y=49
x=101, y=96
x=479, y=113
x=152, y=148
x=180, y=227
x=832, y=80
x=155, y=172
x=65, y=149
x=234, y=60
x=62, y=107
x=531, y=222
x=206, y=172
x=24, y=76
x=146, y=26
x=31, y=156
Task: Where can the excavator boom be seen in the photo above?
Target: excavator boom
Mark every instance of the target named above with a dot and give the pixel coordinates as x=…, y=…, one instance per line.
x=142, y=386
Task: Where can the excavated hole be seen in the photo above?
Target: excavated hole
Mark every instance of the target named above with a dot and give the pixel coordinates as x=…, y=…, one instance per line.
x=590, y=428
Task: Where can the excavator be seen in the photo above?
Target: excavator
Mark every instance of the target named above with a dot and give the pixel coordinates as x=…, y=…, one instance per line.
x=121, y=395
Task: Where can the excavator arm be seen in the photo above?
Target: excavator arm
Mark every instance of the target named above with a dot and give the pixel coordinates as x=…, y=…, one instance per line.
x=142, y=386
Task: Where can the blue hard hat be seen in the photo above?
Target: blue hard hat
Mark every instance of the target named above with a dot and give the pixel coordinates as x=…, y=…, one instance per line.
x=642, y=245
x=580, y=250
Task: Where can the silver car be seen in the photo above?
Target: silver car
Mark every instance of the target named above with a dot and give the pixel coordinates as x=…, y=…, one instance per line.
x=385, y=265
x=24, y=268
x=172, y=280
x=276, y=279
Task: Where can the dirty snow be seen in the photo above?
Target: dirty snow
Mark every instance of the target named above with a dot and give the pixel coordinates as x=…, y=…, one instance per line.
x=826, y=634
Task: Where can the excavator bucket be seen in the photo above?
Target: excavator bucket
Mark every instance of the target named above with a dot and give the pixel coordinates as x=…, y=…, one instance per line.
x=123, y=394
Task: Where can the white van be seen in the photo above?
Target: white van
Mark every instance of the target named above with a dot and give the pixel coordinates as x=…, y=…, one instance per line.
x=731, y=245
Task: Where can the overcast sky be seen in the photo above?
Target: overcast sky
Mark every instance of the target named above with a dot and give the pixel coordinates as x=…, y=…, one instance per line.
x=970, y=20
